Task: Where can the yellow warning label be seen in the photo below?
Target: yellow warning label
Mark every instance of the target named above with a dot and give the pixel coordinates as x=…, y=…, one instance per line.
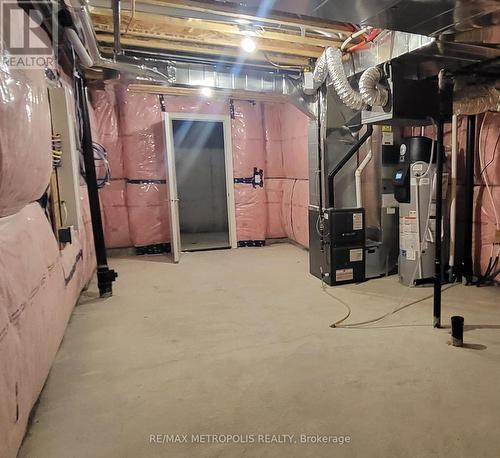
x=386, y=128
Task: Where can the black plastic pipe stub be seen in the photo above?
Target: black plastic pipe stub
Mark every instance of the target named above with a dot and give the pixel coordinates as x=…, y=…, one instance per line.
x=457, y=331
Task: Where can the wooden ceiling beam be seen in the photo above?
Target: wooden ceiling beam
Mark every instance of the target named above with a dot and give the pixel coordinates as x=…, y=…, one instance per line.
x=201, y=49
x=159, y=21
x=224, y=9
x=214, y=39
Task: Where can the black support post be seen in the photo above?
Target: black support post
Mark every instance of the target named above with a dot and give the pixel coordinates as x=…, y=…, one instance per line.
x=467, y=267
x=105, y=275
x=439, y=220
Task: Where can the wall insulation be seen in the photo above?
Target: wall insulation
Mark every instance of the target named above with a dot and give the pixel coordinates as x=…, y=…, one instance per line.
x=39, y=282
x=271, y=137
x=487, y=170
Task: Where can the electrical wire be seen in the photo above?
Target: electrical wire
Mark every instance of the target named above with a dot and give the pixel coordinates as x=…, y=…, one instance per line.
x=355, y=35
x=484, y=176
x=283, y=67
x=399, y=308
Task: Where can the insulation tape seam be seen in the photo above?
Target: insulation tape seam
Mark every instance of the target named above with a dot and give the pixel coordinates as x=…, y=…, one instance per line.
x=129, y=181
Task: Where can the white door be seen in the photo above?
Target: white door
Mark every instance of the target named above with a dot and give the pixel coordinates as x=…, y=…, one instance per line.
x=172, y=190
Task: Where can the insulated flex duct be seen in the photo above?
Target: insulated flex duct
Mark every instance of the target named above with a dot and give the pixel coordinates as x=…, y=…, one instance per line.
x=371, y=91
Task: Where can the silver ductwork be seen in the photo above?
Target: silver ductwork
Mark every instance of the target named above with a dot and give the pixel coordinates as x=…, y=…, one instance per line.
x=476, y=99
x=330, y=64
x=371, y=91
x=344, y=90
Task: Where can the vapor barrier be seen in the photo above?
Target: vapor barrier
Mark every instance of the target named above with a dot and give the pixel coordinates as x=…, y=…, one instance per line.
x=269, y=142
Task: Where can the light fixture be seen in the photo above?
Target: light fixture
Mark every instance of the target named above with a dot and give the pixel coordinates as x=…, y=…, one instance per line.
x=207, y=91
x=248, y=45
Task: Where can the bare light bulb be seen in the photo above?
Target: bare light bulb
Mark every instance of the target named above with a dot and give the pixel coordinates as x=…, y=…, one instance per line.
x=207, y=92
x=248, y=45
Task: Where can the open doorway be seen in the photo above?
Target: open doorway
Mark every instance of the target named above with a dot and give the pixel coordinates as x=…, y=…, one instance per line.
x=203, y=198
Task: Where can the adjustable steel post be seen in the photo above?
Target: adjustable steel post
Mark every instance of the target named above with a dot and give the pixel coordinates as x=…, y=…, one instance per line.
x=439, y=220
x=105, y=276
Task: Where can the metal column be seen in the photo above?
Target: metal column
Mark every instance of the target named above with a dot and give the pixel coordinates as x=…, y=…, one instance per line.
x=439, y=220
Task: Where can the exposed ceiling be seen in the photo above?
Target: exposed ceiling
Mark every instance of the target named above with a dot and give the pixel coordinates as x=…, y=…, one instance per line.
x=175, y=27
x=424, y=17
x=290, y=34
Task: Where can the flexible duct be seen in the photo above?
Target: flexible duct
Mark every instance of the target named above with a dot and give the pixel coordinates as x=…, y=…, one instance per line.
x=471, y=100
x=344, y=90
x=370, y=90
x=330, y=64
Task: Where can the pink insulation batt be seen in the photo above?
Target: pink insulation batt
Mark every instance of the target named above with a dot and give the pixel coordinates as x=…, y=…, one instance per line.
x=115, y=214
x=247, y=134
x=39, y=282
x=294, y=128
x=487, y=204
x=259, y=132
x=286, y=133
x=37, y=294
x=105, y=109
x=143, y=136
x=274, y=139
x=26, y=129
x=148, y=213
x=275, y=222
x=249, y=152
x=176, y=104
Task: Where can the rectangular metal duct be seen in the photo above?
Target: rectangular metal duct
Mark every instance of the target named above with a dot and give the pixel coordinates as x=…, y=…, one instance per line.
x=425, y=17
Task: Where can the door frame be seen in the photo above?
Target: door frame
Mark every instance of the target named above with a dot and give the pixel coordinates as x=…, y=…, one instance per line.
x=172, y=176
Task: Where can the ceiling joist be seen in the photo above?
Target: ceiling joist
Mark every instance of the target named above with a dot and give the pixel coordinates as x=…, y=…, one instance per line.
x=231, y=12
x=170, y=46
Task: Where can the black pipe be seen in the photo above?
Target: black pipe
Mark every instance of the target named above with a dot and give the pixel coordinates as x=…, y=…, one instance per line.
x=457, y=331
x=105, y=276
x=352, y=151
x=116, y=9
x=438, y=255
x=467, y=264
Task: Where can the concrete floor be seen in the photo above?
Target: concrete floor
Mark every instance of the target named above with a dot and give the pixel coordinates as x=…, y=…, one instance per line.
x=204, y=241
x=238, y=342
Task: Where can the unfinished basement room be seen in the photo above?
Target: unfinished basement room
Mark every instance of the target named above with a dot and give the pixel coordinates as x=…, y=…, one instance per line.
x=243, y=228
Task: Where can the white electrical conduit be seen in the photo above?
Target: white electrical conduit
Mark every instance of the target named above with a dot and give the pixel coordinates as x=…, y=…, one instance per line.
x=357, y=178
x=357, y=34
x=453, y=204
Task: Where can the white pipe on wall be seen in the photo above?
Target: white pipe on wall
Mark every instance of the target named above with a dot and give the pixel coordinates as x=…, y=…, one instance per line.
x=357, y=178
